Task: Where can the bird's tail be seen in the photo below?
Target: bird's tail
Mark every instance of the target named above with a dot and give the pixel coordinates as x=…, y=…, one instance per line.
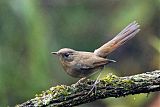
x=126, y=34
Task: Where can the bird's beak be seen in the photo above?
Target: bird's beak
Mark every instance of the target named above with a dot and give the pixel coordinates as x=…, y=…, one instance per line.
x=55, y=53
x=110, y=61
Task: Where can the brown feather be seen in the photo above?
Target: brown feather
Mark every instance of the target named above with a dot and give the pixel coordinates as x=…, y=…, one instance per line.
x=126, y=34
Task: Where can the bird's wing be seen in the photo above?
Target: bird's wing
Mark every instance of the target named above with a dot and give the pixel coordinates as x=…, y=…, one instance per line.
x=93, y=62
x=126, y=34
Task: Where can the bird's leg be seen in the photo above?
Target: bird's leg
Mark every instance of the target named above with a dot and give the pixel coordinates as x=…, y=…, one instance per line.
x=95, y=83
x=80, y=81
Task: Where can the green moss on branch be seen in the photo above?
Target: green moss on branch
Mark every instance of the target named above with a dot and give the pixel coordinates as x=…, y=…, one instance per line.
x=110, y=86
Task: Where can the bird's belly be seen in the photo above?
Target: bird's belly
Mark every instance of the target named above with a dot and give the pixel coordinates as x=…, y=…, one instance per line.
x=78, y=73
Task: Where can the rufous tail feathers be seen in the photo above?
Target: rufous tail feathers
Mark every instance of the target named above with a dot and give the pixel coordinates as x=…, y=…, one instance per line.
x=126, y=34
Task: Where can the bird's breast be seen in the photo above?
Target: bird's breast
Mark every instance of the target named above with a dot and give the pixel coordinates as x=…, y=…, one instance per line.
x=76, y=70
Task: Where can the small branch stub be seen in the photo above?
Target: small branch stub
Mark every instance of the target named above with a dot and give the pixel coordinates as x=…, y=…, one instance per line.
x=110, y=86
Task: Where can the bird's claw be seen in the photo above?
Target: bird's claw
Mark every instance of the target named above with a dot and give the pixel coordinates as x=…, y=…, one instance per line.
x=94, y=87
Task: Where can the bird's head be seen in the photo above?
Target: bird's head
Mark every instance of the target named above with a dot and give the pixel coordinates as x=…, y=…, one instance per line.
x=65, y=54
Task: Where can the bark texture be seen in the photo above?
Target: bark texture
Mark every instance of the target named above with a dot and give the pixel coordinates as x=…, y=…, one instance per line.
x=110, y=86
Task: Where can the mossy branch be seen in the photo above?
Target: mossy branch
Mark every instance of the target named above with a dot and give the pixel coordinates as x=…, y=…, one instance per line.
x=110, y=86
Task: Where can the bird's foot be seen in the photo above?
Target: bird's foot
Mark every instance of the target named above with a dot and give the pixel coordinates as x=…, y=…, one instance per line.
x=94, y=87
x=79, y=82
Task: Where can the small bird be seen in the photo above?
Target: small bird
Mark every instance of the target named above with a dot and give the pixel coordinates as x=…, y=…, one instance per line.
x=81, y=64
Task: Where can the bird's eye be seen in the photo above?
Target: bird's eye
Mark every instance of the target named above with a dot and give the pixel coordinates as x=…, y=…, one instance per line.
x=66, y=54
x=67, y=57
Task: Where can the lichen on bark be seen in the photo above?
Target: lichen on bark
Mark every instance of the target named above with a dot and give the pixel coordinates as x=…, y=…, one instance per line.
x=109, y=86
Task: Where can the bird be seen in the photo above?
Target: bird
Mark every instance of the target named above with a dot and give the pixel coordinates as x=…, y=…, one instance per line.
x=82, y=64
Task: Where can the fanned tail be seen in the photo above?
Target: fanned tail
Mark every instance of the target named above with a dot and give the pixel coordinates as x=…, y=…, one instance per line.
x=126, y=34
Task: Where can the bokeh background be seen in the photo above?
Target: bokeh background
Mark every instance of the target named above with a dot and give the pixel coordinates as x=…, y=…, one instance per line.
x=31, y=29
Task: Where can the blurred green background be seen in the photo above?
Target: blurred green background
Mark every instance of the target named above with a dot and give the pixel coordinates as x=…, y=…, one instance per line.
x=31, y=29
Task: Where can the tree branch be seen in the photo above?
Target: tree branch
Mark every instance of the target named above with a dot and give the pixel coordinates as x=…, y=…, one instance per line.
x=110, y=86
